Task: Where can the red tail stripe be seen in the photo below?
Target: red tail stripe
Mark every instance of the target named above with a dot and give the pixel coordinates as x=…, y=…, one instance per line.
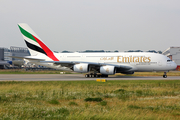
x=46, y=49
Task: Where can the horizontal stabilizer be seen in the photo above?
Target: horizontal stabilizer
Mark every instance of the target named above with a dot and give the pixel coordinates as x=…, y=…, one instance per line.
x=27, y=57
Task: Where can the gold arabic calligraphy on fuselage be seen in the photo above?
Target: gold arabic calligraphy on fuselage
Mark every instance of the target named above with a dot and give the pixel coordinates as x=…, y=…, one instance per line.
x=107, y=58
x=130, y=59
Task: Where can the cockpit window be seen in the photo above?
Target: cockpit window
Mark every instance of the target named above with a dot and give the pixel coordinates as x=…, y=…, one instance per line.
x=169, y=60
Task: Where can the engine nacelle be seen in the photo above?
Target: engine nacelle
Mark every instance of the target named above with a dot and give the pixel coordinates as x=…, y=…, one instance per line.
x=107, y=70
x=82, y=68
x=129, y=72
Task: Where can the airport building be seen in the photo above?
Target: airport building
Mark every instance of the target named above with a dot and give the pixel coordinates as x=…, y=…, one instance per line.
x=9, y=63
x=19, y=51
x=174, y=54
x=13, y=51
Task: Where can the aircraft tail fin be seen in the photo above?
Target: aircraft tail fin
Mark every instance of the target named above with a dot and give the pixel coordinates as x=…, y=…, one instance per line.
x=35, y=45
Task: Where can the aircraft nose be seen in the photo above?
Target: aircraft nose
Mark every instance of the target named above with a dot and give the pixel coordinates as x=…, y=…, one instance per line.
x=174, y=65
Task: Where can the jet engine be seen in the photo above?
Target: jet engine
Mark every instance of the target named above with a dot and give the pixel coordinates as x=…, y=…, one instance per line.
x=107, y=70
x=82, y=68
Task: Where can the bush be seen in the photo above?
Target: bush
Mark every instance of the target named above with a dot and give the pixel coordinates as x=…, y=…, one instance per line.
x=93, y=99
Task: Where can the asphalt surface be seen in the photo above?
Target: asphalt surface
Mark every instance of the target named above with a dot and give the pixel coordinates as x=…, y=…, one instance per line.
x=74, y=77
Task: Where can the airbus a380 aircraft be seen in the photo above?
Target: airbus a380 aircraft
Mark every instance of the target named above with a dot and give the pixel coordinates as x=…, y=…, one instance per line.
x=94, y=64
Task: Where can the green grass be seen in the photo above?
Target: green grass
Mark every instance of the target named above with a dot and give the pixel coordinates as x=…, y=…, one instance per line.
x=132, y=99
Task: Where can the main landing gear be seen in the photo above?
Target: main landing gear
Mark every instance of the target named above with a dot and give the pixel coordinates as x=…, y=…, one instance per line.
x=164, y=76
x=94, y=75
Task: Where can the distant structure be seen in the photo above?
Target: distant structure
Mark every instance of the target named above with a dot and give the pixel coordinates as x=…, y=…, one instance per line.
x=174, y=54
x=1, y=54
x=18, y=51
x=88, y=51
x=152, y=51
x=1, y=58
x=13, y=63
x=134, y=51
x=13, y=51
x=65, y=51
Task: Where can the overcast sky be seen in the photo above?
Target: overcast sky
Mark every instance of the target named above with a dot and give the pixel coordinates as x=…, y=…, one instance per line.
x=77, y=25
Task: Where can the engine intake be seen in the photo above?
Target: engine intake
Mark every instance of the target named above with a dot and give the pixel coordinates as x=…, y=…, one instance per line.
x=82, y=68
x=107, y=70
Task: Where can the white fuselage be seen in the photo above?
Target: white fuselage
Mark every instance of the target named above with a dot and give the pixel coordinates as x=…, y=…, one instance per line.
x=139, y=61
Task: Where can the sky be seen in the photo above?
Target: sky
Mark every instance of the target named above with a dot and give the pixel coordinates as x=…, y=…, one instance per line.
x=77, y=25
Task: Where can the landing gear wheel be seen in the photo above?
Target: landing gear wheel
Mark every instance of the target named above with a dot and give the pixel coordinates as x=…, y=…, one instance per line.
x=164, y=76
x=95, y=75
x=87, y=75
x=91, y=75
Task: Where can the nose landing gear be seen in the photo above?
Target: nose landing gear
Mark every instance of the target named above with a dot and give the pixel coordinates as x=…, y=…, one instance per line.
x=164, y=76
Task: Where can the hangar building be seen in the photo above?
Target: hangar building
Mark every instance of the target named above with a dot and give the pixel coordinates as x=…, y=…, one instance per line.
x=13, y=51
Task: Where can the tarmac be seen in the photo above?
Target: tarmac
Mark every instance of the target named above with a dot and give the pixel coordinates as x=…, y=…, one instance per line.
x=75, y=77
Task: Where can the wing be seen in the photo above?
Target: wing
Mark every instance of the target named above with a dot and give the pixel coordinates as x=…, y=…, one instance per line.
x=91, y=64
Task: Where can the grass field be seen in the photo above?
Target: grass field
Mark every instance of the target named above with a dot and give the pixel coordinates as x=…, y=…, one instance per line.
x=91, y=100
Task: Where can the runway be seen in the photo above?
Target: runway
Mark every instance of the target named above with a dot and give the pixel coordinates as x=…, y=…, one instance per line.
x=74, y=77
